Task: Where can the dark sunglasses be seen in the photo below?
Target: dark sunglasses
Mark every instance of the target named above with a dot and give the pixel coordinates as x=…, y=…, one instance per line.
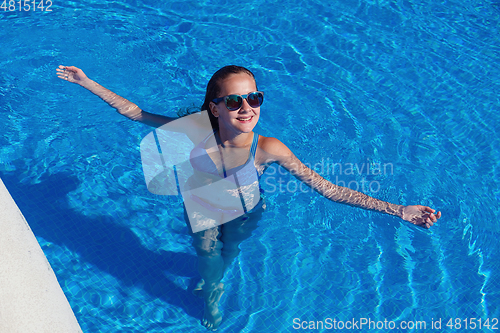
x=234, y=102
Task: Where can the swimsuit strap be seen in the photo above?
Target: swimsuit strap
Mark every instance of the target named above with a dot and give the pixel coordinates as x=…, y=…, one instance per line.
x=253, y=150
x=255, y=143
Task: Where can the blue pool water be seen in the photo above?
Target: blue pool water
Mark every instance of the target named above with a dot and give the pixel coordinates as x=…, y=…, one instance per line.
x=409, y=85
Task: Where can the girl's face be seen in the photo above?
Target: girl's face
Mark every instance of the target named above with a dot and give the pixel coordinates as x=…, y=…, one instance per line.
x=244, y=119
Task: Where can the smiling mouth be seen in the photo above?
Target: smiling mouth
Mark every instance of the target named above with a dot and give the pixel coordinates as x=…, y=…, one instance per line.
x=244, y=120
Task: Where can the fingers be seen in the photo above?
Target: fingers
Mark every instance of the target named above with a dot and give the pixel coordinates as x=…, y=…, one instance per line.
x=435, y=217
x=63, y=76
x=71, y=68
x=431, y=219
x=67, y=69
x=64, y=68
x=426, y=218
x=427, y=223
x=63, y=72
x=428, y=209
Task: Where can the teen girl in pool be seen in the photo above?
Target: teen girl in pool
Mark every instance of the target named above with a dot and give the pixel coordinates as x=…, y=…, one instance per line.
x=233, y=103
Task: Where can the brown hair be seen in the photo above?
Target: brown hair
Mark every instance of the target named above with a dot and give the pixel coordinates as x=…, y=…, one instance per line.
x=213, y=88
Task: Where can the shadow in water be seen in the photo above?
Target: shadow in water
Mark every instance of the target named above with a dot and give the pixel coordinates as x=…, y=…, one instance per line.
x=100, y=241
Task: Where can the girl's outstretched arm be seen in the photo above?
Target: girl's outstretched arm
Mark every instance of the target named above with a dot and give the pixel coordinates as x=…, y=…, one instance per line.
x=122, y=105
x=273, y=150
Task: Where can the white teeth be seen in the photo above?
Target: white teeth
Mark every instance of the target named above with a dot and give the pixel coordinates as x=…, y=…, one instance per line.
x=244, y=119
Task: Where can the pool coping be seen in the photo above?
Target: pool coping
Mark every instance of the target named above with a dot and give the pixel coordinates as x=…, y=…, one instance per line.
x=31, y=299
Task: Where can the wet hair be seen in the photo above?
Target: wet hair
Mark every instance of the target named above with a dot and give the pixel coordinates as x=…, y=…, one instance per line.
x=213, y=88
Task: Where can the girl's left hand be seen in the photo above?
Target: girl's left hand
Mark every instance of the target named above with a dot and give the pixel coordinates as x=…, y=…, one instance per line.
x=71, y=74
x=422, y=216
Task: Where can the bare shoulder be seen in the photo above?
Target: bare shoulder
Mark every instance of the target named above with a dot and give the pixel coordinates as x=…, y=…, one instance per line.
x=272, y=150
x=272, y=145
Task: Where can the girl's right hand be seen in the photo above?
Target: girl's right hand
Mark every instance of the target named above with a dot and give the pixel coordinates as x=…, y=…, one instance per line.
x=71, y=74
x=422, y=216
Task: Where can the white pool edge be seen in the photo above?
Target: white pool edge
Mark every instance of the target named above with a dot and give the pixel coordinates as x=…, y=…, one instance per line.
x=31, y=299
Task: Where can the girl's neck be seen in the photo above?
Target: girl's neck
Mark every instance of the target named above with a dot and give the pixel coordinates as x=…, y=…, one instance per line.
x=239, y=140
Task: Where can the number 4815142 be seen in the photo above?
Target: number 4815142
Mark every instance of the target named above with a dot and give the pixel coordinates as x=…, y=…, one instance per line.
x=472, y=323
x=26, y=5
